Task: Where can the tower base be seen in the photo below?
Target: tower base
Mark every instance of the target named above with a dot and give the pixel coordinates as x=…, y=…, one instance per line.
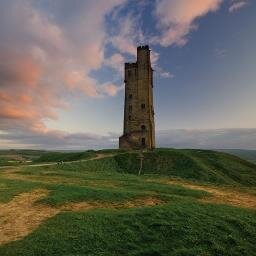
x=134, y=140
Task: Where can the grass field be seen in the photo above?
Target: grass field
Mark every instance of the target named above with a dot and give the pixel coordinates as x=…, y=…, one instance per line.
x=186, y=202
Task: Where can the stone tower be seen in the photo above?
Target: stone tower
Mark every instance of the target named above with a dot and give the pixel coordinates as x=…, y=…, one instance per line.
x=139, y=126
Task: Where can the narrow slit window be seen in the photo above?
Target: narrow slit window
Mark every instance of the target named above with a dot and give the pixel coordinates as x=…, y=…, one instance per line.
x=143, y=142
x=130, y=96
x=130, y=108
x=143, y=106
x=143, y=128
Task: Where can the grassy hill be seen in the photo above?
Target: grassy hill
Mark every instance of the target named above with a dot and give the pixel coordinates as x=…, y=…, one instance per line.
x=249, y=155
x=64, y=156
x=198, y=165
x=101, y=207
x=192, y=164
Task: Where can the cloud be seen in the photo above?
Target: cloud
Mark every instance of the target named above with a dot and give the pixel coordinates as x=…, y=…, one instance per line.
x=116, y=61
x=48, y=55
x=111, y=89
x=176, y=19
x=220, y=53
x=177, y=138
x=166, y=74
x=208, y=139
x=128, y=34
x=236, y=5
x=55, y=140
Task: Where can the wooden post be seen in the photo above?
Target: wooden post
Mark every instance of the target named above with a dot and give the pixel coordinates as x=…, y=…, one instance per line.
x=141, y=161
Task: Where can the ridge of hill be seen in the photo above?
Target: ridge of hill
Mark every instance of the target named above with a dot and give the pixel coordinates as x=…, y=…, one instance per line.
x=198, y=165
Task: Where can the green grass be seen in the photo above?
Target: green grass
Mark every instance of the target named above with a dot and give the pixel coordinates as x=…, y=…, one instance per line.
x=182, y=226
x=64, y=156
x=95, y=180
x=197, y=165
x=10, y=188
x=179, y=229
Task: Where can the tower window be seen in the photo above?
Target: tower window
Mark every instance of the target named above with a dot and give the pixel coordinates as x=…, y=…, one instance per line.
x=130, y=96
x=143, y=142
x=143, y=106
x=129, y=73
x=130, y=108
x=143, y=128
x=130, y=117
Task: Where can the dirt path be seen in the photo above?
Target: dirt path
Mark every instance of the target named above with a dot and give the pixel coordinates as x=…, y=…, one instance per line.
x=98, y=156
x=23, y=215
x=222, y=195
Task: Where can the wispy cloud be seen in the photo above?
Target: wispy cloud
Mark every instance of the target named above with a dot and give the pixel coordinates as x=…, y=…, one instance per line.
x=236, y=5
x=220, y=52
x=55, y=140
x=166, y=74
x=127, y=33
x=176, y=19
x=208, y=138
x=177, y=138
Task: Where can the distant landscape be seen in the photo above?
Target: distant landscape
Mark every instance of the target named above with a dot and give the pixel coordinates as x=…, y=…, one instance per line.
x=17, y=156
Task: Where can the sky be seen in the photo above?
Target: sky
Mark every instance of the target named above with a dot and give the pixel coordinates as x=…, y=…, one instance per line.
x=61, y=71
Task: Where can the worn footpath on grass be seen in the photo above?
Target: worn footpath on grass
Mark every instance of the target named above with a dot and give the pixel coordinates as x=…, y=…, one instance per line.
x=22, y=215
x=221, y=195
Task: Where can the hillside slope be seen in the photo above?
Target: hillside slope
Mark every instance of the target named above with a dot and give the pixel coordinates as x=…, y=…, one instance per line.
x=96, y=207
x=199, y=165
x=248, y=155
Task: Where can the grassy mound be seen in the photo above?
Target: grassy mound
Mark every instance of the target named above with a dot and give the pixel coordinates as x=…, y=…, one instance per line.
x=199, y=165
x=64, y=156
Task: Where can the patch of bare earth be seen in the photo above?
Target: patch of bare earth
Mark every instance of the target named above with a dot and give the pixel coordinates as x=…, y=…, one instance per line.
x=221, y=195
x=22, y=215
x=136, y=203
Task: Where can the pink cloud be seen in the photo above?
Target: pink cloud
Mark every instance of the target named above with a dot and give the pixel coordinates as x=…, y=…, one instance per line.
x=176, y=18
x=111, y=89
x=43, y=60
x=19, y=67
x=129, y=35
x=116, y=61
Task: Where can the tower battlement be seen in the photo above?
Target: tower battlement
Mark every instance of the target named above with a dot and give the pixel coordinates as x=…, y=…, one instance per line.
x=143, y=47
x=139, y=126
